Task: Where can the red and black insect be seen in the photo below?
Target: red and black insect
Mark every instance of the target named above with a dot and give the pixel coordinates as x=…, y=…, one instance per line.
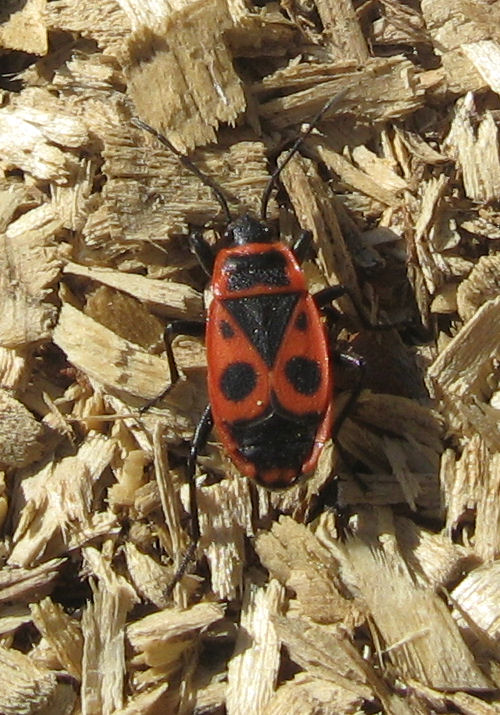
x=270, y=379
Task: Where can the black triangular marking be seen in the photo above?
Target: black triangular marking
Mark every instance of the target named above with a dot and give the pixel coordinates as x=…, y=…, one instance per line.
x=263, y=319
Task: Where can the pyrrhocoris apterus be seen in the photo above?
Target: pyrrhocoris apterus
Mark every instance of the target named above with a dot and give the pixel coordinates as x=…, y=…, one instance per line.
x=270, y=378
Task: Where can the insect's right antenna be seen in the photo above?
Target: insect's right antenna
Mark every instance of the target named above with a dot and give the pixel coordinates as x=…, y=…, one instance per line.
x=332, y=102
x=185, y=161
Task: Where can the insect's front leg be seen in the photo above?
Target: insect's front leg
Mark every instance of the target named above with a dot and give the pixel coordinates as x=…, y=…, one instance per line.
x=203, y=252
x=195, y=329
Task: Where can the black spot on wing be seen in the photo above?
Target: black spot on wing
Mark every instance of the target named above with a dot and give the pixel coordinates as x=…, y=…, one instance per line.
x=225, y=329
x=263, y=319
x=238, y=381
x=301, y=321
x=303, y=374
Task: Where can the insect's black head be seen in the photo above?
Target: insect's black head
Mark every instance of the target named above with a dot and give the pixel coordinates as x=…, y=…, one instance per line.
x=246, y=229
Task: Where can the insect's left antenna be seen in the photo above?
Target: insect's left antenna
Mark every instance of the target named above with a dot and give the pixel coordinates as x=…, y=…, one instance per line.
x=332, y=102
x=185, y=161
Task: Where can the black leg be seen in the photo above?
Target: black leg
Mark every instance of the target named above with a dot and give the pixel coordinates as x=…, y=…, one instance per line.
x=203, y=252
x=323, y=297
x=302, y=246
x=199, y=440
x=177, y=327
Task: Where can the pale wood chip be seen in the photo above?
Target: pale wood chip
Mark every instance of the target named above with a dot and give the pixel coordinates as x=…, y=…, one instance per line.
x=16, y=419
x=257, y=649
x=147, y=703
x=342, y=29
x=149, y=578
x=26, y=584
x=103, y=629
x=474, y=143
x=434, y=555
x=62, y=632
x=127, y=370
x=58, y=503
x=29, y=266
x=485, y=56
x=25, y=28
x=481, y=285
x=477, y=608
x=177, y=299
x=28, y=689
x=307, y=693
x=293, y=555
x=461, y=373
x=105, y=21
x=34, y=139
x=314, y=204
x=420, y=636
x=160, y=638
x=382, y=89
x=399, y=24
x=225, y=517
x=186, y=99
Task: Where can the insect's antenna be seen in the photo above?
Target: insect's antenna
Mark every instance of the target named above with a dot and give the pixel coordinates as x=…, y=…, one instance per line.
x=333, y=101
x=185, y=161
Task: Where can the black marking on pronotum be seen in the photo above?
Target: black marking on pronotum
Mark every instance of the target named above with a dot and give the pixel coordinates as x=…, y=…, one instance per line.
x=303, y=374
x=226, y=329
x=261, y=269
x=263, y=319
x=238, y=381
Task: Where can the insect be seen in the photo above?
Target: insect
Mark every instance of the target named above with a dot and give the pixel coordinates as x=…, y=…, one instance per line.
x=269, y=364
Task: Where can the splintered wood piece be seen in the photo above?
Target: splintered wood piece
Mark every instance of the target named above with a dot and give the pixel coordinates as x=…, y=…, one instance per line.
x=24, y=28
x=420, y=637
x=475, y=146
x=485, y=56
x=160, y=639
x=58, y=503
x=103, y=629
x=440, y=560
x=460, y=374
x=62, y=632
x=225, y=514
x=177, y=299
x=27, y=688
x=150, y=195
x=257, y=649
x=183, y=98
x=341, y=26
x=29, y=264
x=314, y=205
x=16, y=419
x=34, y=139
x=482, y=284
x=381, y=90
x=307, y=693
x=24, y=584
x=127, y=369
x=294, y=556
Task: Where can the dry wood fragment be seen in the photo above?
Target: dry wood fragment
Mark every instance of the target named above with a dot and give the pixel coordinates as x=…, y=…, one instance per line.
x=259, y=659
x=417, y=630
x=170, y=90
x=26, y=688
x=16, y=419
x=62, y=633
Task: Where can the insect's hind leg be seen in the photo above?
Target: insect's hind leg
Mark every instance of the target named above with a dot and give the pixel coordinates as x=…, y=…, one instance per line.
x=200, y=437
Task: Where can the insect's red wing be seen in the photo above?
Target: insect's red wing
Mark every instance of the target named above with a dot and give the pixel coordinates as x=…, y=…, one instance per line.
x=238, y=379
x=301, y=376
